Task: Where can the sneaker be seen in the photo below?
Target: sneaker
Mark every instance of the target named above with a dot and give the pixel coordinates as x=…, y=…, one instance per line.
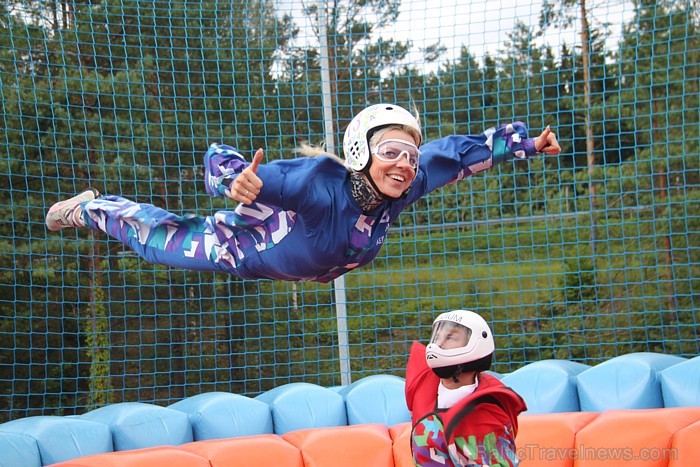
x=62, y=214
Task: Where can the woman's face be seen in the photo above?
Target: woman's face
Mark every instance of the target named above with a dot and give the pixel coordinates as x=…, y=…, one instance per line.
x=393, y=177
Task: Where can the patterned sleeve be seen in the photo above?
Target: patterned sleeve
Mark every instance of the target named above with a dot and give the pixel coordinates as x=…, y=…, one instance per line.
x=450, y=159
x=221, y=165
x=484, y=438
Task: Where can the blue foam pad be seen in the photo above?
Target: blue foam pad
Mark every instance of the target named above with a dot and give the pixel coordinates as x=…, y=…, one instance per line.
x=680, y=384
x=16, y=449
x=135, y=425
x=547, y=386
x=376, y=399
x=216, y=415
x=296, y=406
x=62, y=438
x=626, y=382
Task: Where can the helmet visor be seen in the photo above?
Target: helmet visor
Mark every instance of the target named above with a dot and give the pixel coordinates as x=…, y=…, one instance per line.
x=450, y=335
x=392, y=150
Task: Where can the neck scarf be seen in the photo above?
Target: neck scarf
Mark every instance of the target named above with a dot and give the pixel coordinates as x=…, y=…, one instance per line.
x=363, y=193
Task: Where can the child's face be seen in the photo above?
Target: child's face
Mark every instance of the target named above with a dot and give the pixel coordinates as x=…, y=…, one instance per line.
x=450, y=336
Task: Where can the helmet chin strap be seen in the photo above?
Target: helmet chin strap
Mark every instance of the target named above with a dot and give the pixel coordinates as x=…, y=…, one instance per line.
x=450, y=371
x=454, y=371
x=363, y=193
x=376, y=189
x=458, y=371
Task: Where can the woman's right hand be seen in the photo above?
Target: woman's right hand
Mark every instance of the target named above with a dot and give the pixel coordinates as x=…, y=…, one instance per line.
x=246, y=186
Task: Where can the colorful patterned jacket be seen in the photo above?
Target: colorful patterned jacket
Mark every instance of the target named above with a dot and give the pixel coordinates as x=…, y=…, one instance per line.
x=305, y=225
x=479, y=430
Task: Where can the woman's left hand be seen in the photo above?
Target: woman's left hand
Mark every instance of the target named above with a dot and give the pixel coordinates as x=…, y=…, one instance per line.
x=547, y=143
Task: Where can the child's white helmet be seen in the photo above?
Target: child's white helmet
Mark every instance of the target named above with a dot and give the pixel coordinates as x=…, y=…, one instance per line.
x=461, y=341
x=365, y=123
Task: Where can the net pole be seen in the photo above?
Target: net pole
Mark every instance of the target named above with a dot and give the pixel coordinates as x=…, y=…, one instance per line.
x=339, y=283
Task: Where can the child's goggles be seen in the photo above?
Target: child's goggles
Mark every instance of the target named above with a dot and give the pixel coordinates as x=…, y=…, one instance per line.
x=392, y=150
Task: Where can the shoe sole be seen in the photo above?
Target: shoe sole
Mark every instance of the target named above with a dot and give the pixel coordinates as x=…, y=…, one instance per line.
x=88, y=195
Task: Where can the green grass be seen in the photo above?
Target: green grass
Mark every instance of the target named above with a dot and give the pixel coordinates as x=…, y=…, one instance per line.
x=537, y=283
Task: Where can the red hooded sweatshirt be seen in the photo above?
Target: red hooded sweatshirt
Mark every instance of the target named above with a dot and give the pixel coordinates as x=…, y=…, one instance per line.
x=478, y=430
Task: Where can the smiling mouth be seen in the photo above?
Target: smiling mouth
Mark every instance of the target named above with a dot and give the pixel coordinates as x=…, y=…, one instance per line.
x=397, y=178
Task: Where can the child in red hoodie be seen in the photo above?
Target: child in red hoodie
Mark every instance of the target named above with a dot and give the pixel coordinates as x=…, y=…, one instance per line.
x=461, y=416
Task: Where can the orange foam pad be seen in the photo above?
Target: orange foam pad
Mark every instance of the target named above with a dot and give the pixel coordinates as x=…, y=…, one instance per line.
x=344, y=446
x=685, y=447
x=401, y=447
x=547, y=439
x=247, y=451
x=639, y=437
x=160, y=456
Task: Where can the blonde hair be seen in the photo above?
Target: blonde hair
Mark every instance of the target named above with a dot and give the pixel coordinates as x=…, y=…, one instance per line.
x=309, y=150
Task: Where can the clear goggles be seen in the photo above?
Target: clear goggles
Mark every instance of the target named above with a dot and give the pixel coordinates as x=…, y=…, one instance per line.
x=450, y=335
x=392, y=150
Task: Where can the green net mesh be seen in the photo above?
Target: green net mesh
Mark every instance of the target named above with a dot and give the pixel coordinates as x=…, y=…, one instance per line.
x=585, y=256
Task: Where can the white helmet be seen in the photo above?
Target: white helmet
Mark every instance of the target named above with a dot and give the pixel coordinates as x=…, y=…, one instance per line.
x=461, y=341
x=369, y=120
